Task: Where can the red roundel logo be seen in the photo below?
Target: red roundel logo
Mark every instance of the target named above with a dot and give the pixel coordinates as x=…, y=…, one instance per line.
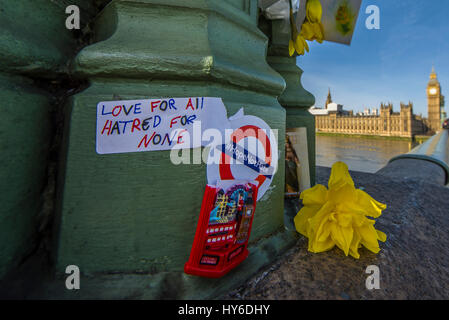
x=249, y=153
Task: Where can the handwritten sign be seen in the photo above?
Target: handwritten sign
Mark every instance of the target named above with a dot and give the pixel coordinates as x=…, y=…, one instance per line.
x=156, y=124
x=244, y=147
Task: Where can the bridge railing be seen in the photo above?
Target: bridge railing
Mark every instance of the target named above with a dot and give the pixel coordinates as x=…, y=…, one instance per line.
x=435, y=150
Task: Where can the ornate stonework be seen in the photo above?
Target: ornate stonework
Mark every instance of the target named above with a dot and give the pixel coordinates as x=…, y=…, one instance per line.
x=388, y=123
x=435, y=103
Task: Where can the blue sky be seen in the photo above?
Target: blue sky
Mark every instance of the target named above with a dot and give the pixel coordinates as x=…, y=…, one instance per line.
x=387, y=65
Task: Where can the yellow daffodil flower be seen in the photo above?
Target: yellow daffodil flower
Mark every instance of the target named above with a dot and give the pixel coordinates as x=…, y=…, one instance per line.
x=339, y=215
x=314, y=11
x=312, y=28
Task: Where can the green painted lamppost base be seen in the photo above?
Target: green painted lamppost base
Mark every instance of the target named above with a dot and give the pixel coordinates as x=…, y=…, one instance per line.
x=136, y=213
x=25, y=132
x=35, y=48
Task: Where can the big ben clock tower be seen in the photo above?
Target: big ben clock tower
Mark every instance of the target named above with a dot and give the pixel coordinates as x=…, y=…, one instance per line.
x=435, y=102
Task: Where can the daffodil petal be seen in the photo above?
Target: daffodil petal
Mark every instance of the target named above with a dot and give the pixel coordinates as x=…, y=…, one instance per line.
x=369, y=238
x=306, y=31
x=321, y=240
x=324, y=235
x=345, y=220
x=368, y=233
x=321, y=246
x=323, y=230
x=301, y=219
x=314, y=10
x=372, y=207
x=344, y=195
x=291, y=48
x=306, y=46
x=348, y=234
x=339, y=175
x=323, y=214
x=358, y=220
x=381, y=236
x=355, y=244
x=320, y=33
x=342, y=237
x=316, y=195
x=371, y=248
x=299, y=45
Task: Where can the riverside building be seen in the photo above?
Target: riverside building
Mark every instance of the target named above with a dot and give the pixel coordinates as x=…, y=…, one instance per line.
x=334, y=119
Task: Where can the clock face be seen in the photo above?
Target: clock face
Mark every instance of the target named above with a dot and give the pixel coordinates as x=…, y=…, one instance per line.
x=433, y=91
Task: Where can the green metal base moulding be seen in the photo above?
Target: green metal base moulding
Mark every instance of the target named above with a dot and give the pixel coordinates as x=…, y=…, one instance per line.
x=137, y=212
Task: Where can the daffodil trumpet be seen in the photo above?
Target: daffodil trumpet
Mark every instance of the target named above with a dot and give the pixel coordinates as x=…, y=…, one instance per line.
x=339, y=216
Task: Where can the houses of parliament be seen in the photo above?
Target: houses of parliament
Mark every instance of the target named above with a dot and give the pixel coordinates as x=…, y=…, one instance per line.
x=334, y=119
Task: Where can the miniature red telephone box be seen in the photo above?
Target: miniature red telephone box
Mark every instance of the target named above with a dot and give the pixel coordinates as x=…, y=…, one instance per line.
x=223, y=230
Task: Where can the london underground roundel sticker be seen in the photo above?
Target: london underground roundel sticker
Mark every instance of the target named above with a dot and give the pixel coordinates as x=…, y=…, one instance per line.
x=248, y=151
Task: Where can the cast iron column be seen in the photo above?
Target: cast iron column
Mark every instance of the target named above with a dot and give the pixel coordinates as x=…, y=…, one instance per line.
x=137, y=212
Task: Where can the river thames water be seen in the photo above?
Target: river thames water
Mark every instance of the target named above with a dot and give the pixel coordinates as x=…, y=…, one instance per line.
x=360, y=154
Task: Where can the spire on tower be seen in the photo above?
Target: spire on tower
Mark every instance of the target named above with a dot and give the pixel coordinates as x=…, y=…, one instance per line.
x=433, y=74
x=329, y=98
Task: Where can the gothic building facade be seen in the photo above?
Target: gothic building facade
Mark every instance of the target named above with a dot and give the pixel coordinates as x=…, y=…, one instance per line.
x=386, y=122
